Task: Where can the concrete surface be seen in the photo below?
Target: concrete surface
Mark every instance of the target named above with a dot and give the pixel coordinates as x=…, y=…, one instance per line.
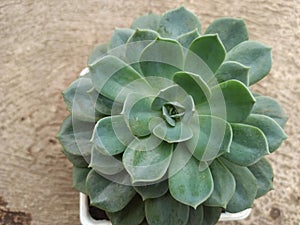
x=44, y=44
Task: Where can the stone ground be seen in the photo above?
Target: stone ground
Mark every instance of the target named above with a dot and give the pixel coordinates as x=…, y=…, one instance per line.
x=44, y=44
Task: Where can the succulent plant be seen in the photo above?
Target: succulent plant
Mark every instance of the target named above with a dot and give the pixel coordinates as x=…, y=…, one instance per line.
x=163, y=127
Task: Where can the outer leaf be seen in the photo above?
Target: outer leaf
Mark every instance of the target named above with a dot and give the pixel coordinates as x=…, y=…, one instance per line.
x=107, y=195
x=104, y=105
x=210, y=49
x=231, y=100
x=111, y=135
x=136, y=44
x=233, y=70
x=119, y=37
x=132, y=214
x=155, y=190
x=212, y=137
x=105, y=164
x=147, y=163
x=177, y=22
x=274, y=133
x=196, y=216
x=268, y=106
x=79, y=178
x=262, y=170
x=194, y=85
x=190, y=185
x=166, y=210
x=254, y=55
x=231, y=31
x=211, y=215
x=186, y=39
x=78, y=101
x=74, y=135
x=115, y=79
x=246, y=188
x=156, y=61
x=138, y=112
x=179, y=133
x=194, y=64
x=224, y=185
x=249, y=145
x=77, y=160
x=97, y=53
x=148, y=21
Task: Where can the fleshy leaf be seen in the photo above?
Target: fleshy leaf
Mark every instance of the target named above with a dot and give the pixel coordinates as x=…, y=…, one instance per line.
x=145, y=162
x=97, y=53
x=186, y=39
x=79, y=178
x=194, y=64
x=224, y=185
x=166, y=210
x=210, y=49
x=173, y=93
x=211, y=138
x=77, y=160
x=119, y=37
x=74, y=136
x=104, y=105
x=136, y=44
x=254, y=55
x=148, y=21
x=211, y=215
x=194, y=85
x=177, y=22
x=190, y=185
x=137, y=110
x=155, y=60
x=249, y=145
x=231, y=31
x=167, y=117
x=179, y=133
x=274, y=133
x=78, y=101
x=108, y=195
x=115, y=79
x=233, y=70
x=246, y=188
x=111, y=135
x=105, y=164
x=154, y=190
x=270, y=107
x=230, y=99
x=262, y=170
x=196, y=216
x=132, y=214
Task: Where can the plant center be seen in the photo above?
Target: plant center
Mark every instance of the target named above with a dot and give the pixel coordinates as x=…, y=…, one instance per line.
x=172, y=113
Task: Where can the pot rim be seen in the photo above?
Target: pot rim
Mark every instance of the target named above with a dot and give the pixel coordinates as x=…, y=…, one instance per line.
x=86, y=218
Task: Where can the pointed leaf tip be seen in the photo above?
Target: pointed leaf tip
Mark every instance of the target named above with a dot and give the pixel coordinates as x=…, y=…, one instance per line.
x=254, y=55
x=249, y=145
x=190, y=185
x=178, y=21
x=210, y=49
x=231, y=31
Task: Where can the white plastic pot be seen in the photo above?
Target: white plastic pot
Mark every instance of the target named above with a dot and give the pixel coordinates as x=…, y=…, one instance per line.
x=86, y=218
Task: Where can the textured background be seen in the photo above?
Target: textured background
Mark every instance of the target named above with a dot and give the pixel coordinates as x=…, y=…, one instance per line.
x=44, y=44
